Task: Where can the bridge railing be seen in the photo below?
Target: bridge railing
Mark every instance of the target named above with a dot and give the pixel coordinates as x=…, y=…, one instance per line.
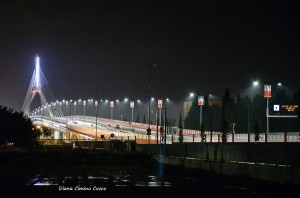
x=88, y=131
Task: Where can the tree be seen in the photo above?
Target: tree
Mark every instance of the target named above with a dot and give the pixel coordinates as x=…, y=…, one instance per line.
x=162, y=133
x=224, y=131
x=138, y=118
x=192, y=119
x=256, y=131
x=180, y=138
x=47, y=131
x=15, y=127
x=202, y=133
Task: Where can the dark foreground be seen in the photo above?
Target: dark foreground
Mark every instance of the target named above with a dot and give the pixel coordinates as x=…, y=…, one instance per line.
x=105, y=174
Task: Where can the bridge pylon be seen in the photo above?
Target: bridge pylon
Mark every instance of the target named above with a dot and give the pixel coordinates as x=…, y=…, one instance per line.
x=39, y=85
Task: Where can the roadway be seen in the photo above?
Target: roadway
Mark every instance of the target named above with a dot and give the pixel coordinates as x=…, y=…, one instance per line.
x=85, y=127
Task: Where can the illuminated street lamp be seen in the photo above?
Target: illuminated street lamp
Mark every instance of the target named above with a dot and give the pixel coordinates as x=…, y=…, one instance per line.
x=96, y=105
x=267, y=94
x=255, y=83
x=192, y=94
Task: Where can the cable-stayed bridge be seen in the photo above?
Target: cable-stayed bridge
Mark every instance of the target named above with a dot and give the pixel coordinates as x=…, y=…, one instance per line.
x=82, y=127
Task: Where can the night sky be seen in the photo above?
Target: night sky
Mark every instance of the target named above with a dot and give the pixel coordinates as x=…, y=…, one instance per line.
x=200, y=46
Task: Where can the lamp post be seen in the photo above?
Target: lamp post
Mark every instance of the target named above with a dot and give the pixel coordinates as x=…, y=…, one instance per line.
x=149, y=95
x=267, y=94
x=96, y=105
x=248, y=121
x=159, y=106
x=157, y=120
x=211, y=120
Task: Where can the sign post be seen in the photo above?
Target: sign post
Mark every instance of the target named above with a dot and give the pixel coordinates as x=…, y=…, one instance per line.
x=131, y=106
x=96, y=105
x=84, y=103
x=111, y=104
x=267, y=94
x=159, y=106
x=200, y=103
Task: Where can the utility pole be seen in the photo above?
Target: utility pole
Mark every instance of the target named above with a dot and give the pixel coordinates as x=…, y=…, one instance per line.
x=96, y=104
x=149, y=95
x=157, y=121
x=166, y=122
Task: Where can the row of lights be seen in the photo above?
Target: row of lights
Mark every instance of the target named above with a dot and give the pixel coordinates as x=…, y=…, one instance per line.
x=80, y=100
x=255, y=84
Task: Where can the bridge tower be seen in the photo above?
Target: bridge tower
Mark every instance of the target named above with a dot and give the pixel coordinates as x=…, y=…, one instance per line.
x=39, y=85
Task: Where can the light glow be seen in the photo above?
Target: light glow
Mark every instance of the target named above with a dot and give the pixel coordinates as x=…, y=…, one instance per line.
x=255, y=83
x=37, y=71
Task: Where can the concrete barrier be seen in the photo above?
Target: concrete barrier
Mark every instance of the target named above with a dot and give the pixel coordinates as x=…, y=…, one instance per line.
x=269, y=153
x=266, y=172
x=276, y=162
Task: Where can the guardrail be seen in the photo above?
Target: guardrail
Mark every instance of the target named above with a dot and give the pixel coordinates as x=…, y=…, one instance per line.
x=189, y=136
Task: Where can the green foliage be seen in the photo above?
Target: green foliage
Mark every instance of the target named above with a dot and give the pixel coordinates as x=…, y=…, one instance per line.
x=15, y=127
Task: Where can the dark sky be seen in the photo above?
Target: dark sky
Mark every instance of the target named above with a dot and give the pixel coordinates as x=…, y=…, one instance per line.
x=200, y=46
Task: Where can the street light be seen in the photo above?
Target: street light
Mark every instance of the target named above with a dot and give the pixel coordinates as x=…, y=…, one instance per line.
x=96, y=104
x=255, y=83
x=149, y=95
x=267, y=95
x=211, y=115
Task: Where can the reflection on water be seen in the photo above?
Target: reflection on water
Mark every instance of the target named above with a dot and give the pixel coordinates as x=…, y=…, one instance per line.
x=132, y=181
x=100, y=179
x=40, y=180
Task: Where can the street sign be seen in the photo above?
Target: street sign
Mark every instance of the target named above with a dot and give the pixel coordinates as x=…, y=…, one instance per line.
x=159, y=104
x=111, y=104
x=132, y=104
